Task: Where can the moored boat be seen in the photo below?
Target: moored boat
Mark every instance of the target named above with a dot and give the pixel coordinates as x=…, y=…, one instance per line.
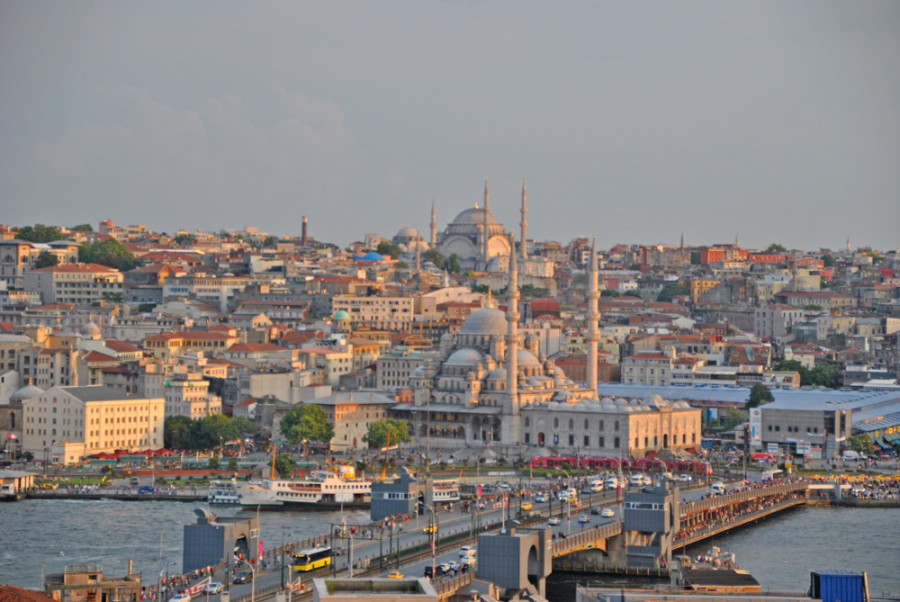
x=321, y=490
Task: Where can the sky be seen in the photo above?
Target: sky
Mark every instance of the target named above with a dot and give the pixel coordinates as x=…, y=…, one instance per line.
x=775, y=121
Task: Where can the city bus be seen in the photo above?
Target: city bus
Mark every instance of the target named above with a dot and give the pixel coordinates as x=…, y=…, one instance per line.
x=312, y=559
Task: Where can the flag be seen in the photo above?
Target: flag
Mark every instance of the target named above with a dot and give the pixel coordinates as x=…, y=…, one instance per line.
x=460, y=474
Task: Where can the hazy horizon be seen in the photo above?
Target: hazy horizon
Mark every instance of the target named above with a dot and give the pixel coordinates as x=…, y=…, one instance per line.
x=775, y=121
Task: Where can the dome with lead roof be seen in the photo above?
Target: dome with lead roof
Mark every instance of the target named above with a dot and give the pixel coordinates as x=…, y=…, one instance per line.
x=465, y=357
x=487, y=321
x=526, y=358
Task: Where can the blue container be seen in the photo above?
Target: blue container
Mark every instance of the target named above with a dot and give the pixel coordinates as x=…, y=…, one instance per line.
x=834, y=586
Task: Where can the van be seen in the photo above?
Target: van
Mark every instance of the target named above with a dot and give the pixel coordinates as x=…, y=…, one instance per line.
x=637, y=480
x=718, y=488
x=612, y=483
x=467, y=551
x=851, y=455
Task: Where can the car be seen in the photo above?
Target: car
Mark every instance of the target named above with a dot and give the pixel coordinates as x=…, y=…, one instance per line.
x=452, y=565
x=468, y=561
x=595, y=510
x=428, y=529
x=180, y=598
x=607, y=513
x=504, y=486
x=685, y=478
x=243, y=577
x=395, y=575
x=648, y=480
x=527, y=506
x=148, y=489
x=553, y=521
x=541, y=498
x=467, y=551
x=583, y=519
x=444, y=567
x=213, y=588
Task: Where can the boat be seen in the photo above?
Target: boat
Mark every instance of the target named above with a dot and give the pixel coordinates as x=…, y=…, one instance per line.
x=321, y=490
x=223, y=493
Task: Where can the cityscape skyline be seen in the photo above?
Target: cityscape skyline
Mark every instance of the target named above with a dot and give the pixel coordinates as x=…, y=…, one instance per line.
x=774, y=122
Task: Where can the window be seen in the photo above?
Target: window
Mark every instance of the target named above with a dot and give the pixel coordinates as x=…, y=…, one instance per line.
x=587, y=441
x=556, y=423
x=602, y=441
x=571, y=440
x=616, y=442
x=601, y=425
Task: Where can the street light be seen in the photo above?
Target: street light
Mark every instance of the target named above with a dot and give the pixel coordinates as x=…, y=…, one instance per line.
x=252, y=581
x=434, y=528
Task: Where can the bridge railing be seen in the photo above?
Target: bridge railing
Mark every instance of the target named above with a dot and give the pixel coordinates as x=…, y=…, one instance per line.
x=582, y=539
x=740, y=496
x=719, y=526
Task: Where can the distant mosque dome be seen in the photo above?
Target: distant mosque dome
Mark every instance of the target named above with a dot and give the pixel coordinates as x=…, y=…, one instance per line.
x=487, y=321
x=341, y=315
x=91, y=330
x=406, y=236
x=27, y=392
x=473, y=216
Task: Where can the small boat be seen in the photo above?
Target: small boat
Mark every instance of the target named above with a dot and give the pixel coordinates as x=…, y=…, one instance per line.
x=220, y=493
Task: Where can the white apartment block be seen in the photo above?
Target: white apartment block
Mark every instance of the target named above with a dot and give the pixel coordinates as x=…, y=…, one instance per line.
x=775, y=321
x=647, y=369
x=79, y=284
x=97, y=418
x=393, y=313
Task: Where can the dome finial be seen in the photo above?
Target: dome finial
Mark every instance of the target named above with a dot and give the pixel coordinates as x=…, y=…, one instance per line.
x=490, y=299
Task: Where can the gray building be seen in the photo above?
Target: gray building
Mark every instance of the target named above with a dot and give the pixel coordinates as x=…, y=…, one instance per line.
x=213, y=540
x=651, y=517
x=516, y=558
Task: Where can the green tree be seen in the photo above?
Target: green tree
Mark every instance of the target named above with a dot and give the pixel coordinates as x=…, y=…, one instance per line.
x=110, y=253
x=245, y=427
x=40, y=233
x=812, y=307
x=401, y=265
x=632, y=293
x=145, y=308
x=213, y=463
x=453, y=263
x=609, y=292
x=826, y=374
x=82, y=228
x=212, y=431
x=389, y=249
x=305, y=423
x=672, y=290
x=177, y=432
x=397, y=429
x=529, y=291
x=269, y=242
x=795, y=366
x=775, y=248
x=45, y=260
x=284, y=465
x=435, y=257
x=861, y=444
x=759, y=395
x=232, y=465
x=184, y=239
x=828, y=260
x=113, y=297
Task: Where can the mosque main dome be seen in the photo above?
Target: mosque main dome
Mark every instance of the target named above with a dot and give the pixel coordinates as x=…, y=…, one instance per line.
x=487, y=321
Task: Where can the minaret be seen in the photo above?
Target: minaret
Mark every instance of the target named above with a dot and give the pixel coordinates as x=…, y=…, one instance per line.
x=794, y=283
x=849, y=248
x=593, y=336
x=512, y=335
x=418, y=256
x=737, y=241
x=682, y=241
x=524, y=222
x=484, y=232
x=303, y=236
x=433, y=226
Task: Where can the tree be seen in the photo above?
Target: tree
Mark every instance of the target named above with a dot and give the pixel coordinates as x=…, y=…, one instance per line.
x=110, y=253
x=672, y=290
x=82, y=228
x=453, y=264
x=435, y=257
x=40, y=233
x=401, y=265
x=826, y=374
x=759, y=395
x=184, y=239
x=269, y=242
x=827, y=260
x=45, y=260
x=305, y=423
x=861, y=444
x=632, y=293
x=213, y=463
x=795, y=366
x=244, y=426
x=812, y=307
x=177, y=432
x=389, y=249
x=529, y=291
x=609, y=292
x=284, y=465
x=232, y=465
x=775, y=248
x=379, y=431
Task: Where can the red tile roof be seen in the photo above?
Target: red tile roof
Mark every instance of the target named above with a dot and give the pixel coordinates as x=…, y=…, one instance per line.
x=11, y=593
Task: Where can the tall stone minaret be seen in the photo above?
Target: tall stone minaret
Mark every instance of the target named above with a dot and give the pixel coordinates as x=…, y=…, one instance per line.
x=682, y=241
x=737, y=240
x=487, y=196
x=849, y=248
x=512, y=334
x=433, y=240
x=524, y=241
x=593, y=336
x=418, y=256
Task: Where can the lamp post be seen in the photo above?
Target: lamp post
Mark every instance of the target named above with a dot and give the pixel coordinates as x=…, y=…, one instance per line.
x=434, y=528
x=252, y=582
x=568, y=500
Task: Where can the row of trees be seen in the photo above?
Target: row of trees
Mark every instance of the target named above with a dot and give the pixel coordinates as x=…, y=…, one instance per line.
x=110, y=253
x=308, y=423
x=184, y=433
x=825, y=374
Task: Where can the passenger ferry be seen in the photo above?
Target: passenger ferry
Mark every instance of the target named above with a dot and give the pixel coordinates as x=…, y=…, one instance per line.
x=223, y=493
x=321, y=490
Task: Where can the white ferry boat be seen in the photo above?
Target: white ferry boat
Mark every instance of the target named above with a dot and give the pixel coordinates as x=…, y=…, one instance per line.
x=446, y=491
x=321, y=490
x=223, y=493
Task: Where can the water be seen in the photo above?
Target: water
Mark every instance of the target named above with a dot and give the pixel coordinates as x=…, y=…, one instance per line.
x=781, y=551
x=47, y=535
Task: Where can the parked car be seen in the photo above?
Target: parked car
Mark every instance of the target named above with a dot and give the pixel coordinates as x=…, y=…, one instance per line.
x=180, y=598
x=213, y=588
x=148, y=489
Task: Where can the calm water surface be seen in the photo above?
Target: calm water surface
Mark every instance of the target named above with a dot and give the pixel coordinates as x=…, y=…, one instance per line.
x=780, y=552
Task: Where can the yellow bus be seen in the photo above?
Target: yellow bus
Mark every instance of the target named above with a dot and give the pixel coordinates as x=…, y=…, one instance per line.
x=312, y=559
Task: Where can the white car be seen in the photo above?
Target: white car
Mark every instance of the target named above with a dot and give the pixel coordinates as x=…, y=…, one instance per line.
x=583, y=519
x=553, y=521
x=607, y=513
x=541, y=498
x=648, y=480
x=213, y=588
x=180, y=598
x=685, y=478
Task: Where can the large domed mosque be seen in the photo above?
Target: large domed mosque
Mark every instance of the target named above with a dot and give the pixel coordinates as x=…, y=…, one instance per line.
x=475, y=236
x=492, y=389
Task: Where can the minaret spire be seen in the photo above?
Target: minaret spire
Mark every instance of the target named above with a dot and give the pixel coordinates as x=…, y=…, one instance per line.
x=484, y=230
x=593, y=335
x=512, y=335
x=737, y=240
x=524, y=222
x=682, y=241
x=433, y=225
x=418, y=256
x=487, y=196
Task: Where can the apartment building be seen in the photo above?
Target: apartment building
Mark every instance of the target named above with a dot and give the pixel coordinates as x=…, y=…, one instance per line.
x=393, y=313
x=20, y=256
x=77, y=284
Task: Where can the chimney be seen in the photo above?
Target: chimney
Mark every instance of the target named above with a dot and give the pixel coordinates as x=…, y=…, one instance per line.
x=303, y=237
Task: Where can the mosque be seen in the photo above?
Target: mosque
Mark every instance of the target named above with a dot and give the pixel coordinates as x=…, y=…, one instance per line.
x=491, y=389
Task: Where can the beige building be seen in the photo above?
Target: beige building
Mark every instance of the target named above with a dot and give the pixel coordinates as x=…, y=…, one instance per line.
x=187, y=394
x=393, y=313
x=647, y=369
x=20, y=256
x=351, y=413
x=100, y=418
x=80, y=284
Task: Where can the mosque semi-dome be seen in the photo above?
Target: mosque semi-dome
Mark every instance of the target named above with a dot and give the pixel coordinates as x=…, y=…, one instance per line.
x=464, y=357
x=487, y=321
x=526, y=358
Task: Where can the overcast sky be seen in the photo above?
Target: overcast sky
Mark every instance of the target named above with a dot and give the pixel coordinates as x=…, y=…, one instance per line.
x=779, y=121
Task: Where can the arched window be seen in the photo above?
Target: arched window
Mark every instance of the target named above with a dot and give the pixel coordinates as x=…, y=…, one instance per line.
x=586, y=424
x=571, y=423
x=527, y=421
x=556, y=423
x=601, y=427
